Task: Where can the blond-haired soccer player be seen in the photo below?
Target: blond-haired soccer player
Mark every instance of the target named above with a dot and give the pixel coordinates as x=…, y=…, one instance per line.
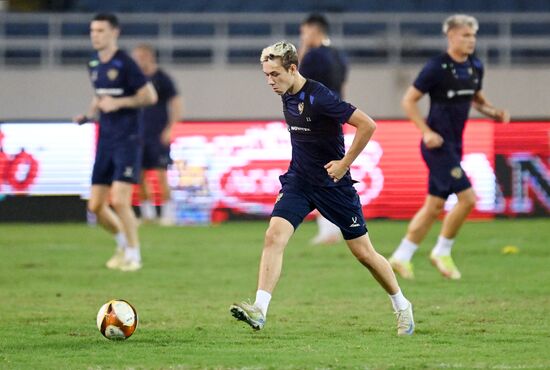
x=318, y=178
x=454, y=81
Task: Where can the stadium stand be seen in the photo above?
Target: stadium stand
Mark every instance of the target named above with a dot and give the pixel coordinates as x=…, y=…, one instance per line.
x=220, y=32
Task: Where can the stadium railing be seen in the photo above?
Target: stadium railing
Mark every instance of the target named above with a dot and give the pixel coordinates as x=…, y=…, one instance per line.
x=221, y=39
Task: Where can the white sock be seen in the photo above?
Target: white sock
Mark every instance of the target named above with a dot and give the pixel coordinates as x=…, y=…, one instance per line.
x=120, y=240
x=405, y=250
x=147, y=209
x=132, y=254
x=262, y=301
x=326, y=227
x=398, y=301
x=167, y=210
x=443, y=247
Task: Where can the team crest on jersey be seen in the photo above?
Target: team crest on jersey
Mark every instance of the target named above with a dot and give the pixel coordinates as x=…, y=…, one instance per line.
x=301, y=107
x=456, y=172
x=279, y=197
x=112, y=74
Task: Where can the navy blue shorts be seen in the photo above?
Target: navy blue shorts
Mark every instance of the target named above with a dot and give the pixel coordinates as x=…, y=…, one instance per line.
x=340, y=205
x=155, y=156
x=446, y=175
x=117, y=163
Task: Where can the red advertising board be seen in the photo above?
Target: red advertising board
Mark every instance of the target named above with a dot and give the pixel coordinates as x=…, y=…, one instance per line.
x=522, y=159
x=224, y=169
x=233, y=167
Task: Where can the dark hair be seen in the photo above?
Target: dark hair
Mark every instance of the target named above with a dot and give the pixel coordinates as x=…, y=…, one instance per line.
x=319, y=20
x=107, y=17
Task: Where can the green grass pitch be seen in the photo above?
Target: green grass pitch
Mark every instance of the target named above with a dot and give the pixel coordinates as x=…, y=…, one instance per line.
x=327, y=311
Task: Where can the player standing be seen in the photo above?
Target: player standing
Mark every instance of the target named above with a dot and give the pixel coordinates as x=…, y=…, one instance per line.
x=453, y=80
x=121, y=90
x=323, y=63
x=159, y=119
x=318, y=178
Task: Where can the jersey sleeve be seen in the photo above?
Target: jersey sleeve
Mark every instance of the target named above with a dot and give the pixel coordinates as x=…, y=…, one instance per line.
x=428, y=77
x=135, y=79
x=332, y=106
x=478, y=65
x=168, y=87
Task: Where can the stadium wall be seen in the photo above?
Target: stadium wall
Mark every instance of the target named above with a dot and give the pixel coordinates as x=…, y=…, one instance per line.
x=240, y=92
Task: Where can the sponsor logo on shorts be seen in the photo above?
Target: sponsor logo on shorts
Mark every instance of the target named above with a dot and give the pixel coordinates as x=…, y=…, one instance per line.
x=279, y=197
x=128, y=171
x=354, y=222
x=457, y=172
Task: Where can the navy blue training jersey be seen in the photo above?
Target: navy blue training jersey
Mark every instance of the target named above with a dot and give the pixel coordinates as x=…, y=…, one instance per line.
x=118, y=77
x=314, y=117
x=451, y=86
x=155, y=117
x=327, y=66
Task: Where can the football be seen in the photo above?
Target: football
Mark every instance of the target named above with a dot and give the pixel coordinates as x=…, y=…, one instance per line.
x=117, y=319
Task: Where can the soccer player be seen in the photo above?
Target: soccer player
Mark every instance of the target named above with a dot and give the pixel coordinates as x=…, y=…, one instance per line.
x=323, y=63
x=158, y=120
x=318, y=178
x=121, y=90
x=453, y=80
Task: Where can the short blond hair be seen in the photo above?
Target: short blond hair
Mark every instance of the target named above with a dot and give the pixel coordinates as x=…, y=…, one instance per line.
x=283, y=50
x=459, y=20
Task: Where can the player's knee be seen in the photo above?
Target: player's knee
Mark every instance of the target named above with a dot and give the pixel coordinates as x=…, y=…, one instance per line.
x=468, y=202
x=274, y=239
x=367, y=256
x=119, y=203
x=434, y=210
x=94, y=206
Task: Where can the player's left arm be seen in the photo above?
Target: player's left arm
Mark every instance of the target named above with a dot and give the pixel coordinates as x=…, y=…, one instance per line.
x=175, y=113
x=365, y=129
x=145, y=95
x=482, y=105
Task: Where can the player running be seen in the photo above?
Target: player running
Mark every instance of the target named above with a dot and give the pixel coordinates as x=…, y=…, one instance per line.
x=453, y=80
x=318, y=178
x=120, y=90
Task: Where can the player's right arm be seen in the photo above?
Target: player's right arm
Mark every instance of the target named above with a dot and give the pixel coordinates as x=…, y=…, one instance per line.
x=146, y=95
x=409, y=103
x=365, y=127
x=91, y=115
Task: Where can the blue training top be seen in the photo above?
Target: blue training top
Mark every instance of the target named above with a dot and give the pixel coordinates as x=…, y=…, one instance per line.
x=155, y=117
x=118, y=77
x=327, y=66
x=451, y=86
x=314, y=117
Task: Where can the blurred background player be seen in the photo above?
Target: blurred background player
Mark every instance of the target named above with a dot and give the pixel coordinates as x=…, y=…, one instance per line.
x=318, y=177
x=158, y=121
x=120, y=90
x=454, y=81
x=321, y=62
